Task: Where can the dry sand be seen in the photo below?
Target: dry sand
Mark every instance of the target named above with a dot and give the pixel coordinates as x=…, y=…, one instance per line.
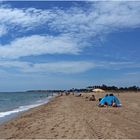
x=76, y=117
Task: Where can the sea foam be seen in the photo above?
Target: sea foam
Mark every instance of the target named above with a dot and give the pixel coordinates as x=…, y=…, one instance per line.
x=24, y=108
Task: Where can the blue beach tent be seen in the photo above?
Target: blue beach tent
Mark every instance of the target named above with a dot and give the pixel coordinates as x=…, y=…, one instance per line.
x=109, y=99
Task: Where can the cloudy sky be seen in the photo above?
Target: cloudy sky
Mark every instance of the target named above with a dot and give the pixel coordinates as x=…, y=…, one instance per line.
x=61, y=45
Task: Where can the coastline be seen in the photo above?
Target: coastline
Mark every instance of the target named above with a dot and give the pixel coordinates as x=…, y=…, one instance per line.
x=9, y=115
x=77, y=117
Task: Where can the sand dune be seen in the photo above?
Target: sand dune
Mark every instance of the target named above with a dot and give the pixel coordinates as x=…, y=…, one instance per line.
x=76, y=117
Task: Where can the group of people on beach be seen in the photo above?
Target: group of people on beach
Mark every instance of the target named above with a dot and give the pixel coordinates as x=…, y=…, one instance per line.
x=109, y=100
x=105, y=104
x=112, y=99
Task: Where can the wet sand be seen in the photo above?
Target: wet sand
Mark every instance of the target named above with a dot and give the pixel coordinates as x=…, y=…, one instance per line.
x=76, y=117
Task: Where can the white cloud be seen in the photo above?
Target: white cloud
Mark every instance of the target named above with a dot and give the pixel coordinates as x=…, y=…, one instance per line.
x=26, y=18
x=119, y=14
x=117, y=65
x=74, y=27
x=66, y=67
x=62, y=67
x=37, y=45
x=65, y=31
x=99, y=17
x=14, y=64
x=133, y=73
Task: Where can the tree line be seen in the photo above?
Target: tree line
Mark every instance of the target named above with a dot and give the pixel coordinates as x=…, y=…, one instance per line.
x=105, y=87
x=90, y=88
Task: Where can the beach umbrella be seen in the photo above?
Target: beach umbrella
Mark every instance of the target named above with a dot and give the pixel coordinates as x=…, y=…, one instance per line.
x=98, y=90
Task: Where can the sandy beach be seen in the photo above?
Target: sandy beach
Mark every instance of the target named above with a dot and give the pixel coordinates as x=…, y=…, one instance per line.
x=70, y=117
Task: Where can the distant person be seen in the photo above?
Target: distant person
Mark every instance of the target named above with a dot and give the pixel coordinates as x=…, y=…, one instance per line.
x=103, y=105
x=114, y=103
x=92, y=98
x=111, y=94
x=79, y=95
x=106, y=104
x=100, y=99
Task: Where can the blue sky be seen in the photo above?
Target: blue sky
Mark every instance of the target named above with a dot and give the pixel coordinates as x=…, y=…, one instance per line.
x=61, y=45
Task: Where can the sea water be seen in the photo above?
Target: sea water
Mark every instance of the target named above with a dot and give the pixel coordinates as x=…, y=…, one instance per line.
x=12, y=103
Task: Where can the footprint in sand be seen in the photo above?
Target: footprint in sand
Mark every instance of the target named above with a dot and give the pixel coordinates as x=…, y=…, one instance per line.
x=66, y=131
x=56, y=135
x=63, y=127
x=63, y=136
x=52, y=128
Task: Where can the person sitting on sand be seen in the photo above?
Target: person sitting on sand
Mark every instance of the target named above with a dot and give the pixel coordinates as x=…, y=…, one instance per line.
x=106, y=95
x=79, y=95
x=111, y=94
x=92, y=98
x=103, y=105
x=114, y=104
x=99, y=99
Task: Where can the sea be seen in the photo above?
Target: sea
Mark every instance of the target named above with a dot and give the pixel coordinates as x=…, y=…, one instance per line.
x=13, y=103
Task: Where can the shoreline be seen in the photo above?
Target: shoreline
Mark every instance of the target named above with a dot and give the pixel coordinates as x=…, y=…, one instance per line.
x=71, y=117
x=12, y=114
x=22, y=113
